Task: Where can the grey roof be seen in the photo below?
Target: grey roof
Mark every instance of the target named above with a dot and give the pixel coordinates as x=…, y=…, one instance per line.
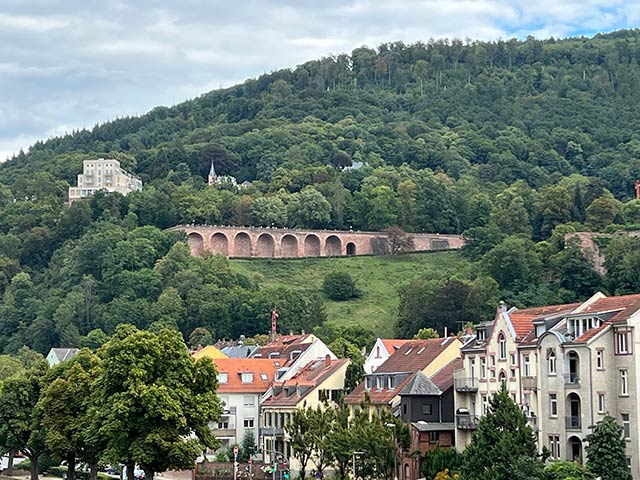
x=420, y=384
x=423, y=426
x=239, y=351
x=65, y=353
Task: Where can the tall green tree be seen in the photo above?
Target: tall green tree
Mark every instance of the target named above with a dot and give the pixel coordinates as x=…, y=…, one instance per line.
x=606, y=450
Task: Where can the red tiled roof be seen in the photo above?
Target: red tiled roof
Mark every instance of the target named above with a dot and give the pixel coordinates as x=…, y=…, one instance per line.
x=392, y=344
x=310, y=376
x=625, y=305
x=282, y=348
x=233, y=367
x=522, y=320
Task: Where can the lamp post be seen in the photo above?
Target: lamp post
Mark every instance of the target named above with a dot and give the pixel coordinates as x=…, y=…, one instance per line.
x=353, y=464
x=395, y=452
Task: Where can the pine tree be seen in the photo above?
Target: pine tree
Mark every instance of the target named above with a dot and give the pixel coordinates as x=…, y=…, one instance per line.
x=606, y=451
x=502, y=444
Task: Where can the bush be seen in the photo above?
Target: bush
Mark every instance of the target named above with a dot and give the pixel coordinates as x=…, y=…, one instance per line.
x=340, y=286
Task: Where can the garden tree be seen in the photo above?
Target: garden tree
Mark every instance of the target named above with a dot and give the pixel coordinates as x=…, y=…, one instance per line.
x=339, y=286
x=564, y=470
x=153, y=402
x=502, y=445
x=513, y=263
x=605, y=449
x=301, y=438
x=248, y=447
x=341, y=440
x=321, y=419
x=64, y=407
x=200, y=336
x=398, y=241
x=440, y=459
x=20, y=428
x=603, y=211
x=426, y=334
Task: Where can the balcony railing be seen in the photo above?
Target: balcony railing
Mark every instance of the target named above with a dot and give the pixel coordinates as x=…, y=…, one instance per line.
x=571, y=379
x=467, y=422
x=529, y=383
x=573, y=423
x=466, y=384
x=533, y=422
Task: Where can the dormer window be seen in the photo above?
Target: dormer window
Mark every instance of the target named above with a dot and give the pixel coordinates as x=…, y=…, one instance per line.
x=223, y=378
x=246, y=377
x=480, y=334
x=576, y=327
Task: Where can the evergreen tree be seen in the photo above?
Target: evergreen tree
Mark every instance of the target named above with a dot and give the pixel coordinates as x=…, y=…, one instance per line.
x=502, y=445
x=606, y=451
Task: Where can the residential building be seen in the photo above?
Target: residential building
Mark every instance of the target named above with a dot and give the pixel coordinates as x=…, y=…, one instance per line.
x=59, y=355
x=294, y=352
x=209, y=351
x=319, y=381
x=382, y=349
x=103, y=174
x=241, y=384
x=215, y=179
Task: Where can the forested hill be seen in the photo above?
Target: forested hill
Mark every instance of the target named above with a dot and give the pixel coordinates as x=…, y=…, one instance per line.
x=511, y=143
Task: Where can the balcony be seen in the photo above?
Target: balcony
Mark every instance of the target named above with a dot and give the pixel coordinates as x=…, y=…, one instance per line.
x=533, y=422
x=573, y=423
x=529, y=383
x=571, y=379
x=467, y=422
x=224, y=432
x=466, y=385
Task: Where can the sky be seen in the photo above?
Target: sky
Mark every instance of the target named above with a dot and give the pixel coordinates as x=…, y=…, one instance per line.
x=71, y=64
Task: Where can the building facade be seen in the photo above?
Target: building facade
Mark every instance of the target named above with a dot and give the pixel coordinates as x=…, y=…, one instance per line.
x=103, y=174
x=382, y=349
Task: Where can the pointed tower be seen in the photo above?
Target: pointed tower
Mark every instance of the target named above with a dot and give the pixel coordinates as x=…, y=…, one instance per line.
x=212, y=175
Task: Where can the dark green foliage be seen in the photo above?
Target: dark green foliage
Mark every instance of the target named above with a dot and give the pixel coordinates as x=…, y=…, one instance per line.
x=339, y=286
x=503, y=446
x=438, y=459
x=563, y=470
x=606, y=451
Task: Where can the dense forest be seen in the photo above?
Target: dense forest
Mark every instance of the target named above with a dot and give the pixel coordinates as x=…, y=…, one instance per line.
x=511, y=143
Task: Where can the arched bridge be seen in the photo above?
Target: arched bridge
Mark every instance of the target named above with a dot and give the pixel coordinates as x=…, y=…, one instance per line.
x=291, y=243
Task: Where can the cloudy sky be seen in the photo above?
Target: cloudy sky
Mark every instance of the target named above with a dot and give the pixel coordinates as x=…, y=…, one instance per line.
x=67, y=64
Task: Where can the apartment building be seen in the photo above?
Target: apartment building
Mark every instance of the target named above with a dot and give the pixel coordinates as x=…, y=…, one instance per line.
x=103, y=174
x=381, y=351
x=565, y=365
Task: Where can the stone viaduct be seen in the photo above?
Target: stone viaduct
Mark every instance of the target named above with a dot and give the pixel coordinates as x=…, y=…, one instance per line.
x=291, y=243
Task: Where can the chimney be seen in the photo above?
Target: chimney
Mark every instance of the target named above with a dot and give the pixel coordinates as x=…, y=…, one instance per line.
x=327, y=360
x=446, y=332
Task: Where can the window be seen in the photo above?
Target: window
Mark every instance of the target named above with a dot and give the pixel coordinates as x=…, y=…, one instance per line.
x=513, y=359
x=554, y=447
x=513, y=373
x=249, y=400
x=433, y=438
x=502, y=377
x=485, y=404
x=404, y=408
x=624, y=382
x=483, y=368
x=223, y=378
x=527, y=366
x=626, y=426
x=264, y=377
x=601, y=402
x=600, y=359
x=472, y=367
x=223, y=425
x=621, y=343
x=378, y=352
x=249, y=423
x=480, y=334
x=502, y=347
x=552, y=363
x=246, y=377
x=577, y=326
x=427, y=409
x=493, y=361
x=553, y=404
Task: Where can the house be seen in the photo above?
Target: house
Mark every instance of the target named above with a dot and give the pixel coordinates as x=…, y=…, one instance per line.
x=241, y=384
x=209, y=351
x=294, y=352
x=320, y=380
x=103, y=174
x=382, y=349
x=59, y=355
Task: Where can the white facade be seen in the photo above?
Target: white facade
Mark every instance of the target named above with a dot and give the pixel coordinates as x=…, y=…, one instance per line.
x=103, y=174
x=241, y=413
x=381, y=350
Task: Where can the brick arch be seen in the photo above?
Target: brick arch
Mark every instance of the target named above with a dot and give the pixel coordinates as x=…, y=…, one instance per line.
x=265, y=246
x=242, y=245
x=351, y=248
x=195, y=242
x=289, y=246
x=219, y=244
x=333, y=246
x=312, y=246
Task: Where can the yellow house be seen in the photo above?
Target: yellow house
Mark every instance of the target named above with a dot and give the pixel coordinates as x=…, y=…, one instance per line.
x=209, y=352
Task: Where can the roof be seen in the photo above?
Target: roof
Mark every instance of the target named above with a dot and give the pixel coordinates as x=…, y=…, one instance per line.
x=624, y=307
x=419, y=384
x=239, y=351
x=63, y=354
x=393, y=344
x=286, y=348
x=304, y=382
x=522, y=320
x=423, y=426
x=209, y=351
x=263, y=371
x=443, y=378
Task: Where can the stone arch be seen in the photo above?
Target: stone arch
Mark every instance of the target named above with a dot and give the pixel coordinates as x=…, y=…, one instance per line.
x=265, y=246
x=311, y=246
x=242, y=245
x=574, y=449
x=289, y=246
x=219, y=244
x=195, y=242
x=333, y=246
x=351, y=248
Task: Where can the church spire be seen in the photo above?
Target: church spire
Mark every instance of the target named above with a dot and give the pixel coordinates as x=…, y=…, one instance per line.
x=212, y=175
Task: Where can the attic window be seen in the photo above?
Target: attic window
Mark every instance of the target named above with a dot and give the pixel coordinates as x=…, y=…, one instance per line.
x=223, y=378
x=420, y=351
x=480, y=334
x=246, y=377
x=408, y=351
x=274, y=355
x=263, y=376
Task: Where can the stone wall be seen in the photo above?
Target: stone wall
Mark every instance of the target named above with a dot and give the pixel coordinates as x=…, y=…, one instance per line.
x=291, y=243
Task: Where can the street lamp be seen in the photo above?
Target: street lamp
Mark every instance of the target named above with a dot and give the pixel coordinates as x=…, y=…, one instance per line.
x=354, y=463
x=395, y=450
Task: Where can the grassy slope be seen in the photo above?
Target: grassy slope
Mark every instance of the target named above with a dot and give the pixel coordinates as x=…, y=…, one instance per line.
x=377, y=277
